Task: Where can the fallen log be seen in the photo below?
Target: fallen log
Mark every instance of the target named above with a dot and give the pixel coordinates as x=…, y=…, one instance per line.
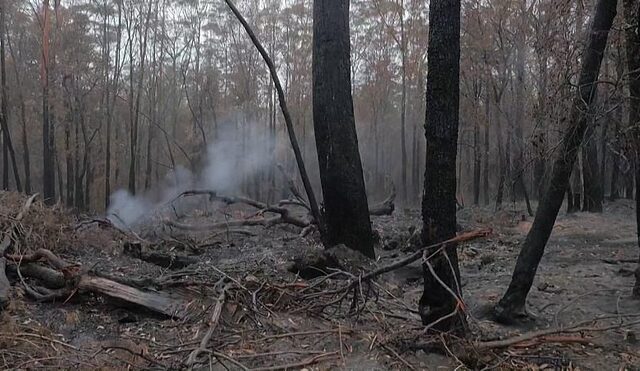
x=169, y=261
x=50, y=278
x=5, y=285
x=155, y=301
x=386, y=207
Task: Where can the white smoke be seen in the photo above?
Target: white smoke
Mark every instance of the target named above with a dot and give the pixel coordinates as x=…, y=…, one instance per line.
x=228, y=163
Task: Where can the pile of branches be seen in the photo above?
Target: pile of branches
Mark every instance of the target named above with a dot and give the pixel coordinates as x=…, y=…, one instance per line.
x=267, y=215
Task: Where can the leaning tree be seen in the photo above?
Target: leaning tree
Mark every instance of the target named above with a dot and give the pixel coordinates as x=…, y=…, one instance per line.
x=512, y=304
x=439, y=305
x=632, y=35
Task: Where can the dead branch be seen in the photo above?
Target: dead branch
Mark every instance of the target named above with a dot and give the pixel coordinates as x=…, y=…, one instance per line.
x=170, y=261
x=297, y=365
x=5, y=285
x=155, y=301
x=67, y=269
x=313, y=202
x=419, y=254
x=580, y=327
x=213, y=323
x=50, y=278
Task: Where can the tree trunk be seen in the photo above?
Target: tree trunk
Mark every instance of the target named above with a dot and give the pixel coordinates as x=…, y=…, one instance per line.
x=7, y=144
x=592, y=201
x=512, y=303
x=439, y=197
x=477, y=159
x=632, y=34
x=614, y=194
x=48, y=165
x=485, y=174
x=345, y=200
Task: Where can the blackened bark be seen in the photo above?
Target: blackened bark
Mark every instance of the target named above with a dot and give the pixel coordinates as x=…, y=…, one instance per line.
x=614, y=194
x=632, y=35
x=477, y=162
x=346, y=214
x=7, y=145
x=590, y=172
x=485, y=174
x=441, y=131
x=513, y=302
x=48, y=165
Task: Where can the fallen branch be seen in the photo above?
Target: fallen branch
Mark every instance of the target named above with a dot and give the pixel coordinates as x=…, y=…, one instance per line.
x=11, y=235
x=419, y=255
x=213, y=323
x=552, y=331
x=297, y=365
x=169, y=261
x=155, y=301
x=68, y=270
x=313, y=203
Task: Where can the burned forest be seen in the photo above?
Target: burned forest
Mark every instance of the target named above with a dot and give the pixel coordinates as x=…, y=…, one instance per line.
x=320, y=185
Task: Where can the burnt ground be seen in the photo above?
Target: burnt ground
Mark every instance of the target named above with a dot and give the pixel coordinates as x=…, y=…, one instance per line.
x=272, y=319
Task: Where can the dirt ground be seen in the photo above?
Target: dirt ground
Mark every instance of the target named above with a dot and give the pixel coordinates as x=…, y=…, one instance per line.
x=271, y=319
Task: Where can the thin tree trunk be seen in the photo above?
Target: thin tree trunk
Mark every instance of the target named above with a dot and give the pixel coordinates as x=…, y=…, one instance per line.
x=7, y=145
x=512, y=303
x=632, y=34
x=48, y=165
x=26, y=161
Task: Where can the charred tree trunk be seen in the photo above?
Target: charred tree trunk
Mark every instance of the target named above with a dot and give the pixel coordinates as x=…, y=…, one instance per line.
x=512, y=303
x=592, y=201
x=26, y=159
x=485, y=174
x=632, y=34
x=439, y=198
x=477, y=161
x=346, y=215
x=48, y=165
x=614, y=194
x=7, y=145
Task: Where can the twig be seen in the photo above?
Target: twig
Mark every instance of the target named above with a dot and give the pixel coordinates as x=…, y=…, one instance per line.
x=38, y=336
x=301, y=333
x=213, y=322
x=395, y=354
x=300, y=364
x=137, y=354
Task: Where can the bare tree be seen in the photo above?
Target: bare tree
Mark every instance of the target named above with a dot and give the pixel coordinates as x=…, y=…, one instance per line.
x=632, y=34
x=346, y=215
x=438, y=306
x=512, y=303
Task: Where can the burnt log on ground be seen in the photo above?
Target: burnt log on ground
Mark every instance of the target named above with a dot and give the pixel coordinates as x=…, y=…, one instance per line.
x=68, y=279
x=164, y=260
x=5, y=244
x=283, y=214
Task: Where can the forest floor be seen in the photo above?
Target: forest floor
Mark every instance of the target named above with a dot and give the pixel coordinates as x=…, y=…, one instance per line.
x=254, y=314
